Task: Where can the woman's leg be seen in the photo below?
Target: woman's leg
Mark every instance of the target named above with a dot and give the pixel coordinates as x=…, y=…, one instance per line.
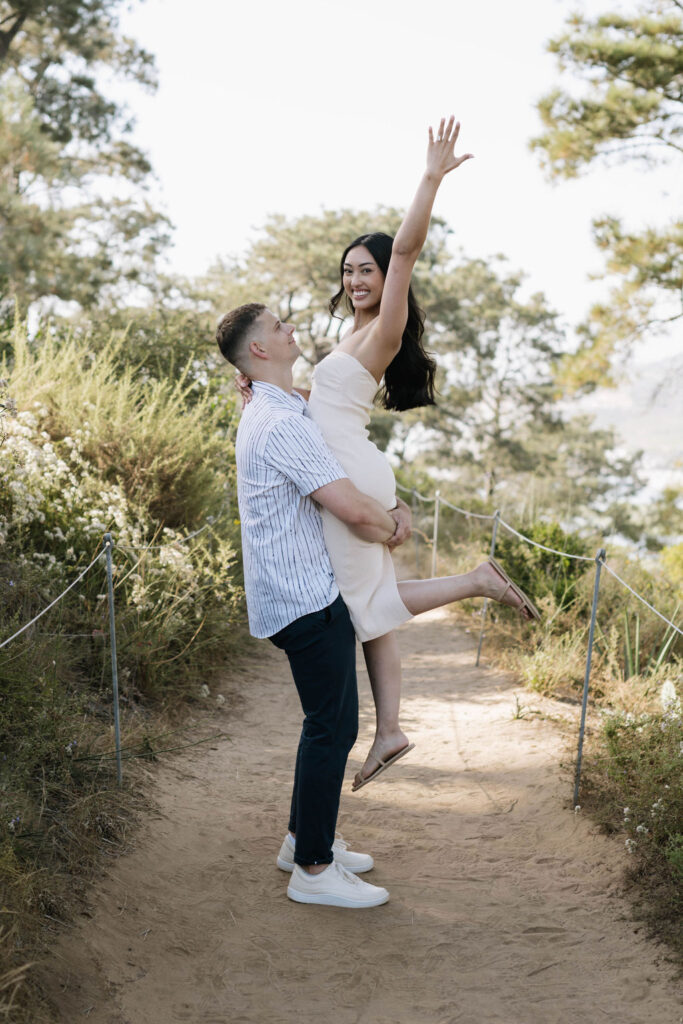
x=422, y=595
x=383, y=662
x=382, y=655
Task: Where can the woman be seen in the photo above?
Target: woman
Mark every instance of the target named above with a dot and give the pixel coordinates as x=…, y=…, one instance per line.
x=384, y=343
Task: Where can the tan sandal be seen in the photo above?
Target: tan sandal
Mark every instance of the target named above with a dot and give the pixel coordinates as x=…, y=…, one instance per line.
x=383, y=765
x=527, y=604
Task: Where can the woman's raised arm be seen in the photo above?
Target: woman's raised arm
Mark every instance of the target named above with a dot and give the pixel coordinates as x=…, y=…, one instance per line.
x=386, y=336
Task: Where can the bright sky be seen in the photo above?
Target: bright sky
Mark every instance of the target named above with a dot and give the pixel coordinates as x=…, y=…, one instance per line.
x=271, y=107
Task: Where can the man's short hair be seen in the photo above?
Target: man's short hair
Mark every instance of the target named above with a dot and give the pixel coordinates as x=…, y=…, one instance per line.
x=233, y=330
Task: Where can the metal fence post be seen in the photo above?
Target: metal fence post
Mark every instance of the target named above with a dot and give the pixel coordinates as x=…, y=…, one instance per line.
x=108, y=546
x=413, y=510
x=435, y=535
x=584, y=704
x=496, y=517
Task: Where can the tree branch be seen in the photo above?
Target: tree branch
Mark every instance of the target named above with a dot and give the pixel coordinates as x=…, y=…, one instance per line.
x=7, y=37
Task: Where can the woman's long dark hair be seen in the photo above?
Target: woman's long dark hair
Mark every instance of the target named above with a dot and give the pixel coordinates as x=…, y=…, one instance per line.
x=409, y=377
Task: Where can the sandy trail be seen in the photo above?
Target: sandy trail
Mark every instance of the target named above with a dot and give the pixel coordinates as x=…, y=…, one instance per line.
x=504, y=904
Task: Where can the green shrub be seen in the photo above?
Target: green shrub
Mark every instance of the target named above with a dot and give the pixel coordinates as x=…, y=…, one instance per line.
x=94, y=447
x=633, y=780
x=542, y=573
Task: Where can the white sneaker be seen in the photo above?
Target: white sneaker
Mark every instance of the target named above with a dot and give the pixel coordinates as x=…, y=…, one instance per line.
x=355, y=862
x=334, y=887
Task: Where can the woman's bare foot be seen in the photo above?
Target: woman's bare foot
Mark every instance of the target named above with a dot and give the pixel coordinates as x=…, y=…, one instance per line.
x=383, y=747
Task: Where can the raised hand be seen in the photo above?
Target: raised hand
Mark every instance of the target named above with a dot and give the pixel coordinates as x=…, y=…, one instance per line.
x=441, y=156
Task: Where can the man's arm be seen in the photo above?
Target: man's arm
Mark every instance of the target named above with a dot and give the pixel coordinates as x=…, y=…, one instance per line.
x=361, y=513
x=404, y=522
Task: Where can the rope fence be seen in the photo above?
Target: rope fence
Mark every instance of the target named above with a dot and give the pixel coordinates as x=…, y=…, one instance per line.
x=553, y=551
x=52, y=603
x=106, y=553
x=175, y=540
x=600, y=561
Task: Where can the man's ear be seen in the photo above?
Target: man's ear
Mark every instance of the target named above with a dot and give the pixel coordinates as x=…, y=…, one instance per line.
x=256, y=350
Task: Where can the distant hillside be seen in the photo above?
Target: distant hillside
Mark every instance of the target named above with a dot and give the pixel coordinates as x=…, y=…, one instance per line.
x=647, y=413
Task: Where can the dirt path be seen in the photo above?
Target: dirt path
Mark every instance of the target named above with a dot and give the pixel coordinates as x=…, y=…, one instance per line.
x=504, y=906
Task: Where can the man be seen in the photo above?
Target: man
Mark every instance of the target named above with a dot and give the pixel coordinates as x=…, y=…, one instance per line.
x=283, y=468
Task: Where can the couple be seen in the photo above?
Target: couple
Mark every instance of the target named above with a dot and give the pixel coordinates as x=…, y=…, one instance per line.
x=319, y=518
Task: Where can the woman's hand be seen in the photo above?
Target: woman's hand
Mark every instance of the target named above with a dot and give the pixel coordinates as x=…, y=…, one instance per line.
x=441, y=157
x=243, y=385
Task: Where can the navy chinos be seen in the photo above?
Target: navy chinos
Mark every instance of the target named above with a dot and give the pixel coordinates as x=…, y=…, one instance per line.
x=321, y=648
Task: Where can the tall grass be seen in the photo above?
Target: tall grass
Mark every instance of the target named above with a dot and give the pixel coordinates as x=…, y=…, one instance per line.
x=95, y=447
x=168, y=454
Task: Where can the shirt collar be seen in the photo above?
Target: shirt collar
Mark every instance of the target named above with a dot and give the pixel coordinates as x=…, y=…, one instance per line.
x=293, y=401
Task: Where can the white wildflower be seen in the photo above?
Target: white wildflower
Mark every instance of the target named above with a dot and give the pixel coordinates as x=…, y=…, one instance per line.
x=204, y=691
x=220, y=699
x=630, y=845
x=670, y=701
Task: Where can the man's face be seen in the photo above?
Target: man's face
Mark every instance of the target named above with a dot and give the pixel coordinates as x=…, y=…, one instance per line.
x=275, y=338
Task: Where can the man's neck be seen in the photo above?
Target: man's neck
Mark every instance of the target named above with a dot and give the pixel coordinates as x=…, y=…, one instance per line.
x=281, y=379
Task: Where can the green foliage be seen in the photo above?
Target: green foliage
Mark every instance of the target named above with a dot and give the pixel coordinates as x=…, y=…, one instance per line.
x=631, y=110
x=556, y=665
x=633, y=777
x=162, y=460
x=632, y=65
x=496, y=387
x=57, y=49
x=665, y=522
x=672, y=561
x=65, y=233
x=90, y=451
x=539, y=572
x=644, y=304
x=634, y=658
x=93, y=446
x=160, y=343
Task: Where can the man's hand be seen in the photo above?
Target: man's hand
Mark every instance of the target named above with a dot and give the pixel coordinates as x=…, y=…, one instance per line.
x=403, y=518
x=362, y=514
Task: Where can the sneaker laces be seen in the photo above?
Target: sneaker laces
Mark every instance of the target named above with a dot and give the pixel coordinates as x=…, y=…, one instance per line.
x=340, y=842
x=347, y=875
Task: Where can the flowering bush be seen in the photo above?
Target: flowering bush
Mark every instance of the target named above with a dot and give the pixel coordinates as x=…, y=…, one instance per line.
x=89, y=452
x=89, y=446
x=634, y=784
x=85, y=452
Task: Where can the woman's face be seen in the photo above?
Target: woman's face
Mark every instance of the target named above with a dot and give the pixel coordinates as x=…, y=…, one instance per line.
x=363, y=280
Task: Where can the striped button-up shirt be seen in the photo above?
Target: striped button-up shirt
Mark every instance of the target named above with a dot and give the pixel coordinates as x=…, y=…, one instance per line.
x=281, y=458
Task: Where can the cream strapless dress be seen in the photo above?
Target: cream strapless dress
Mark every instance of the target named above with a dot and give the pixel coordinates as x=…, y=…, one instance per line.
x=341, y=398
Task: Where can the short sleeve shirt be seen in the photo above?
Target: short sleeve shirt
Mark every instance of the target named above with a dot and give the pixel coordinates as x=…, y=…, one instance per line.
x=281, y=458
